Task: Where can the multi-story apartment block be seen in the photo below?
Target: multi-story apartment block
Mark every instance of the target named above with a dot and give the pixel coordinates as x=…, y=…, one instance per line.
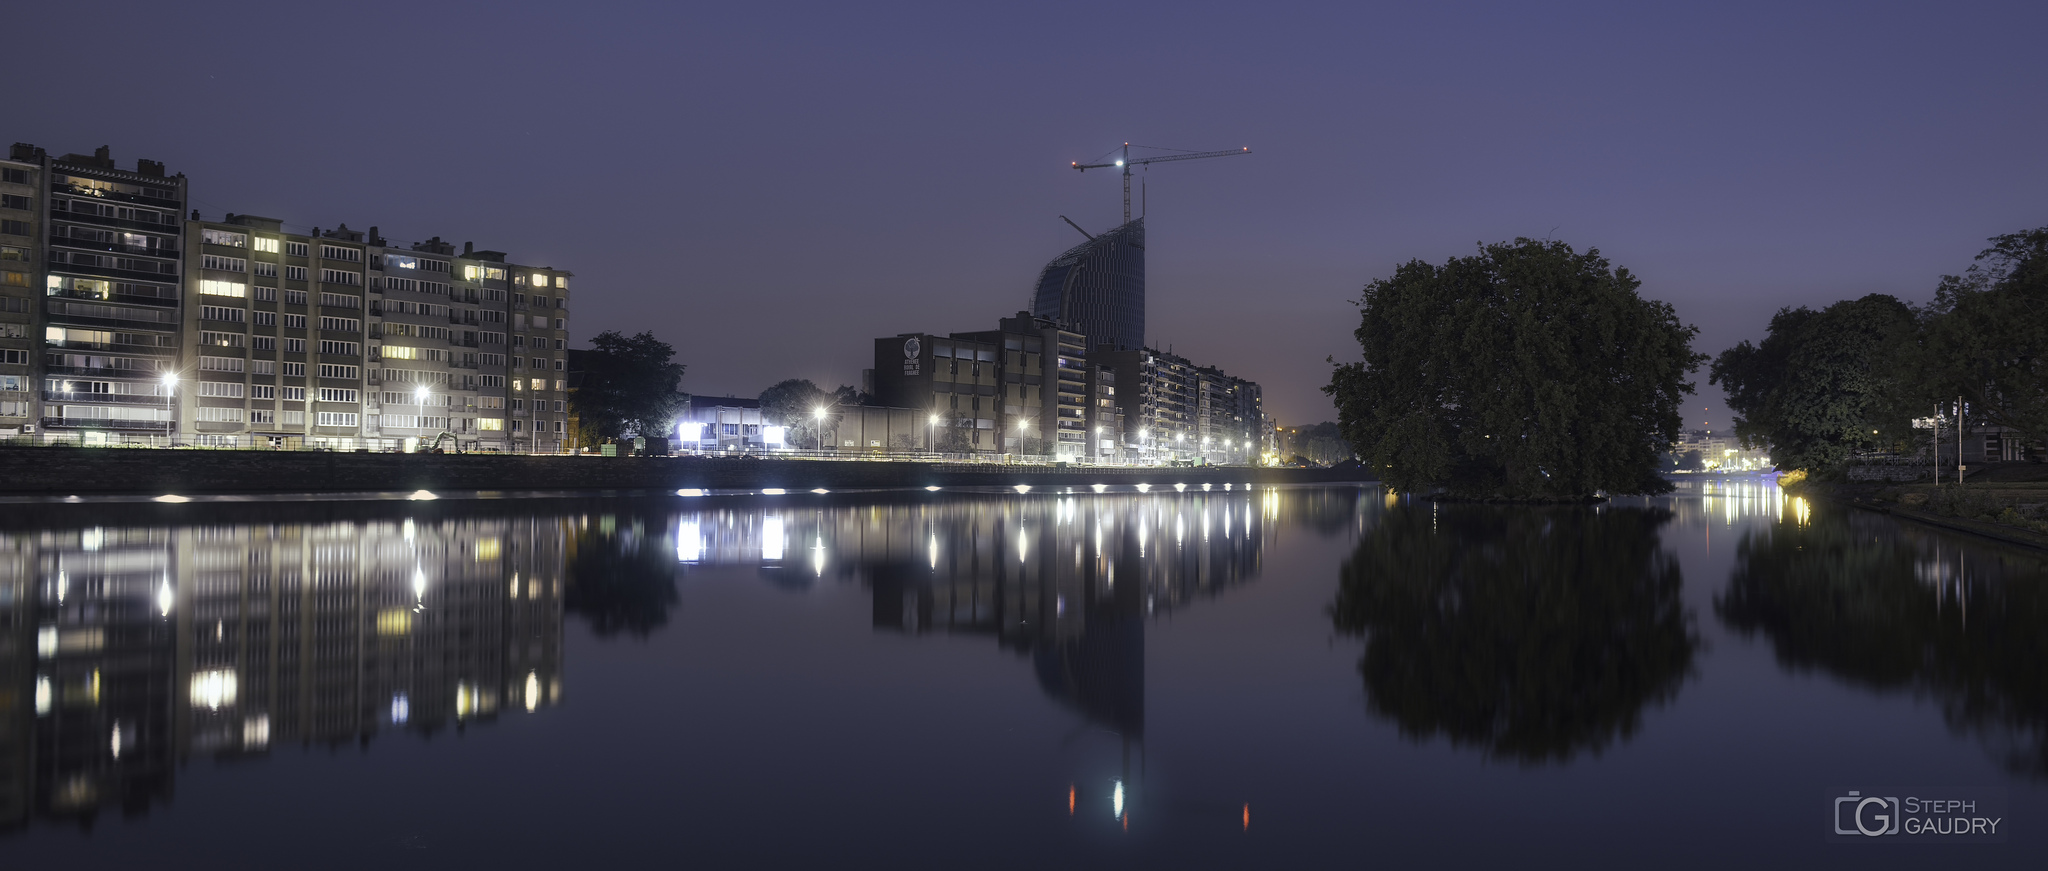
x=104, y=247
x=1174, y=410
x=241, y=332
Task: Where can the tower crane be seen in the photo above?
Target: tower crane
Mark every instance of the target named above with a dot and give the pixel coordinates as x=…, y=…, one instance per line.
x=1125, y=163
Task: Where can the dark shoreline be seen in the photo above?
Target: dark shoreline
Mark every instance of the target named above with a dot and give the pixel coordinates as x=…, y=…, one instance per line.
x=109, y=471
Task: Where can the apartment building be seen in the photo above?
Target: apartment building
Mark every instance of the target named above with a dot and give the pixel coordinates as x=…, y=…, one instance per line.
x=241, y=332
x=1174, y=410
x=102, y=247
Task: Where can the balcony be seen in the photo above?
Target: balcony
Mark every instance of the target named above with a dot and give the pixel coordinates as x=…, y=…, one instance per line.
x=156, y=426
x=106, y=398
x=116, y=196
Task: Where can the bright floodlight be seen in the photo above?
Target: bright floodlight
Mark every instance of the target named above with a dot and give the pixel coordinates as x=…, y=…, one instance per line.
x=420, y=393
x=170, y=379
x=818, y=413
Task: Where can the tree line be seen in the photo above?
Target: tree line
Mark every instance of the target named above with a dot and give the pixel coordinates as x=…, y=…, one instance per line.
x=1826, y=385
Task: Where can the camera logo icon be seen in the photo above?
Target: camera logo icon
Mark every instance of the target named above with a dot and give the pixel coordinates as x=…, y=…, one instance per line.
x=1859, y=814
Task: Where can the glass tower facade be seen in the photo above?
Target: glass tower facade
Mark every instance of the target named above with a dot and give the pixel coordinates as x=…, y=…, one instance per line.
x=1098, y=287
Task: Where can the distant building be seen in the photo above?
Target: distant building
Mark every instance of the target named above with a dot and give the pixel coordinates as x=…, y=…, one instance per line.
x=1098, y=287
x=1174, y=410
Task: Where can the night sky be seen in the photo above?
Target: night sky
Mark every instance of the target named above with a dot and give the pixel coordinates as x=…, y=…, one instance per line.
x=770, y=186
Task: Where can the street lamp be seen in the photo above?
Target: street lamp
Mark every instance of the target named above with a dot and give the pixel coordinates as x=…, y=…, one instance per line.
x=170, y=383
x=931, y=441
x=818, y=414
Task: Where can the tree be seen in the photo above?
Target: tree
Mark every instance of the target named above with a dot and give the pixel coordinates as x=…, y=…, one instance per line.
x=794, y=403
x=1986, y=336
x=1824, y=384
x=629, y=387
x=1526, y=371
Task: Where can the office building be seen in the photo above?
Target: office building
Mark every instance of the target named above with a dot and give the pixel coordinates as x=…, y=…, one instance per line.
x=1098, y=287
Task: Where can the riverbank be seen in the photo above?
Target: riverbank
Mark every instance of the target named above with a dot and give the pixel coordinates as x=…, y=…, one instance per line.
x=64, y=471
x=2006, y=504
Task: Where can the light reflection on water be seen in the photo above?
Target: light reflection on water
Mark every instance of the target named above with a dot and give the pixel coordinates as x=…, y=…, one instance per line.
x=1398, y=640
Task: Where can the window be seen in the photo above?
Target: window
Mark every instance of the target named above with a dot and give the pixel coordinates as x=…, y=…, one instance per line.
x=337, y=394
x=561, y=385
x=497, y=381
x=268, y=270
x=229, y=264
x=19, y=358
x=224, y=237
x=561, y=323
x=340, y=276
x=400, y=352
x=212, y=339
x=263, y=367
x=10, y=201
x=558, y=363
x=14, y=228
x=294, y=322
x=265, y=319
x=539, y=363
x=295, y=249
x=263, y=343
x=519, y=405
x=262, y=391
x=17, y=255
x=405, y=284
x=221, y=415
x=336, y=370
x=291, y=418
x=341, y=300
x=539, y=280
x=469, y=273
x=294, y=394
x=223, y=389
x=341, y=349
x=336, y=252
x=267, y=245
x=490, y=402
x=17, y=176
x=220, y=313
x=294, y=370
x=490, y=424
x=295, y=346
x=433, y=265
x=346, y=325
x=540, y=384
x=295, y=297
x=295, y=273
x=560, y=407
x=223, y=288
x=220, y=364
x=494, y=273
x=337, y=418
x=258, y=415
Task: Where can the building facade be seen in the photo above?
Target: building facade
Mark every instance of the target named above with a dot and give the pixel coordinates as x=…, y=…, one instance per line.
x=1098, y=287
x=240, y=332
x=1176, y=411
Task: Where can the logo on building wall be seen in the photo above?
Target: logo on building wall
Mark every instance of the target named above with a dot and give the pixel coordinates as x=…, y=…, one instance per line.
x=910, y=352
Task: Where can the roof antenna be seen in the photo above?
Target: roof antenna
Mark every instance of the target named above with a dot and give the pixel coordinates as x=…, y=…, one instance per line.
x=1077, y=227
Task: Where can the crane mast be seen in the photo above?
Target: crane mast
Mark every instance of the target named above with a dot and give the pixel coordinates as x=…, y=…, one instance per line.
x=1125, y=163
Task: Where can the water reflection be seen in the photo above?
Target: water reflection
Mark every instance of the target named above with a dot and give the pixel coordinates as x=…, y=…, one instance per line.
x=1530, y=635
x=1897, y=609
x=141, y=647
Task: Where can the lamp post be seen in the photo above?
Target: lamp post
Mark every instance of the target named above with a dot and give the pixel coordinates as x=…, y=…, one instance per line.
x=818, y=415
x=931, y=430
x=170, y=383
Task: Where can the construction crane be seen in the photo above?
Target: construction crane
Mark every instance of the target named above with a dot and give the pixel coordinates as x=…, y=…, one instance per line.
x=1125, y=163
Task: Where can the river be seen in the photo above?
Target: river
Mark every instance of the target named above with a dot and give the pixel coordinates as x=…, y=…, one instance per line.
x=1260, y=676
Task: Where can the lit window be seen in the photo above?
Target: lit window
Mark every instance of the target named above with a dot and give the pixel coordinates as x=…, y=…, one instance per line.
x=540, y=281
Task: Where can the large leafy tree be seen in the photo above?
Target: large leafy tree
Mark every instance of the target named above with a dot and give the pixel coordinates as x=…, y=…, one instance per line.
x=629, y=386
x=1987, y=335
x=1825, y=384
x=794, y=403
x=1525, y=371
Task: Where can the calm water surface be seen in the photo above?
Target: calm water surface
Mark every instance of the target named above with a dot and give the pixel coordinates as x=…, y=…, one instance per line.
x=1280, y=677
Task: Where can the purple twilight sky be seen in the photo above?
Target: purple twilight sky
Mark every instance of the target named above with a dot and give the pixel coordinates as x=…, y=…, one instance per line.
x=768, y=186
